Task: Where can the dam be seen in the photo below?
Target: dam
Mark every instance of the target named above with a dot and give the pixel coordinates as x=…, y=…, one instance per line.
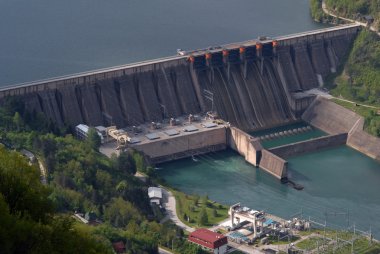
x=250, y=86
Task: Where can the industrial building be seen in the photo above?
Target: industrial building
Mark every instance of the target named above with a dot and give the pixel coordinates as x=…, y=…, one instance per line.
x=209, y=240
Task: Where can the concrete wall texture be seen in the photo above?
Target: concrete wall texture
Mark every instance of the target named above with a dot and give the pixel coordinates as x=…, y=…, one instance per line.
x=363, y=142
x=308, y=146
x=334, y=119
x=250, y=93
x=246, y=145
x=273, y=164
x=330, y=117
x=184, y=145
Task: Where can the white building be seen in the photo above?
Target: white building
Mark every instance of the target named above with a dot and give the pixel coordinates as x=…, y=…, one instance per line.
x=81, y=131
x=155, y=195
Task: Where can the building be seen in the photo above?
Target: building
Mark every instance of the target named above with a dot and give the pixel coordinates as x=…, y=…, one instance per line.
x=81, y=131
x=209, y=240
x=155, y=195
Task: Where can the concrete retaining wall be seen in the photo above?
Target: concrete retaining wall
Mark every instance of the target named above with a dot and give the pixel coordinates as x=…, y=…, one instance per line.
x=330, y=117
x=364, y=142
x=333, y=119
x=185, y=145
x=246, y=145
x=308, y=146
x=273, y=164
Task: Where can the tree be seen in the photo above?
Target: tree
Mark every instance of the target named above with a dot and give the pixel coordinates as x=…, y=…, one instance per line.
x=17, y=120
x=93, y=139
x=120, y=212
x=196, y=199
x=214, y=212
x=27, y=220
x=125, y=163
x=203, y=217
x=205, y=200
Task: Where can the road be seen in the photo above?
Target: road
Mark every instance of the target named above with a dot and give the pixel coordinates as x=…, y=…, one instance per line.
x=171, y=211
x=320, y=92
x=328, y=12
x=43, y=171
x=163, y=251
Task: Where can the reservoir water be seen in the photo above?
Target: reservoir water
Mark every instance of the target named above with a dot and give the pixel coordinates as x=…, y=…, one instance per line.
x=41, y=39
x=341, y=185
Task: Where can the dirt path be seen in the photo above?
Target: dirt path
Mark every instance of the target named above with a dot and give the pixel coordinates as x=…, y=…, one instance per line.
x=328, y=12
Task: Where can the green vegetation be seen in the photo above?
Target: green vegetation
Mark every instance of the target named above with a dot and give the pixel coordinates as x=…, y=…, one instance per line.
x=197, y=212
x=28, y=223
x=352, y=8
x=274, y=240
x=360, y=80
x=317, y=12
x=80, y=179
x=311, y=243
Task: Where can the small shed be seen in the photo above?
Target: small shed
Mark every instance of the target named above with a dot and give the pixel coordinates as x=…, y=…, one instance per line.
x=155, y=195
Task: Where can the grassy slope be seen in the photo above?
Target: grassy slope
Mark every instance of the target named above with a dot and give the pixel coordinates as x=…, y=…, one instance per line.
x=184, y=203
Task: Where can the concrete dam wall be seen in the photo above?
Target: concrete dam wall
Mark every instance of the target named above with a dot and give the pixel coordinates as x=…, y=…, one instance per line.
x=249, y=84
x=333, y=119
x=246, y=145
x=308, y=146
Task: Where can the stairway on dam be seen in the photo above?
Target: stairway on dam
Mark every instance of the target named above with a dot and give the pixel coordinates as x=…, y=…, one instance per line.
x=250, y=84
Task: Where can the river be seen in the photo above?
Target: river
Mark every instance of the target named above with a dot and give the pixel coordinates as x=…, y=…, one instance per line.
x=341, y=185
x=48, y=38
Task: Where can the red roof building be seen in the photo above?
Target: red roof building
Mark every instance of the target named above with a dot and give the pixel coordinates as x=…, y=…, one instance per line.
x=217, y=243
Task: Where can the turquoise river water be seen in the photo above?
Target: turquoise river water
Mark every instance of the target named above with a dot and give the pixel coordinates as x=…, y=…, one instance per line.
x=341, y=185
x=279, y=141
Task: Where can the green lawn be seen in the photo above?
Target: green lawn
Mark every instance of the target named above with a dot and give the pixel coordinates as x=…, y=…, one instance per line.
x=311, y=243
x=187, y=205
x=274, y=240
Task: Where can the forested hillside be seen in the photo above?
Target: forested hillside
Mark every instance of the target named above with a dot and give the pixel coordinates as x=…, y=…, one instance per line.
x=351, y=8
x=37, y=218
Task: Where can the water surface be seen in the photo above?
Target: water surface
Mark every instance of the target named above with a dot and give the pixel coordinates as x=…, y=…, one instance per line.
x=341, y=185
x=288, y=139
x=47, y=38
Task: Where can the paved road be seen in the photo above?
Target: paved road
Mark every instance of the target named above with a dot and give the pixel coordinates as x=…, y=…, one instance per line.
x=328, y=12
x=163, y=251
x=171, y=211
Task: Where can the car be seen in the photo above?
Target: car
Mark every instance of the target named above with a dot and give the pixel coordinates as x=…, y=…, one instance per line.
x=181, y=52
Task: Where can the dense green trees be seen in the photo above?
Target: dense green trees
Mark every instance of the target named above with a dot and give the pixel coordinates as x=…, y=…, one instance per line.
x=93, y=139
x=27, y=220
x=350, y=8
x=316, y=11
x=79, y=179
